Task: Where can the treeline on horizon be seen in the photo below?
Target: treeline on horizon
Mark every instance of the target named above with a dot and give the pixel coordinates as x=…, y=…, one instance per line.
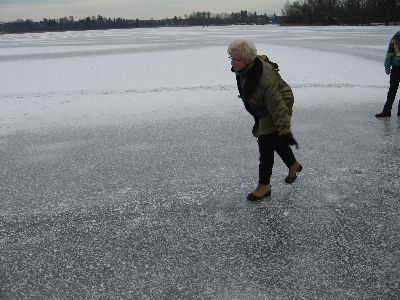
x=100, y=22
x=342, y=12
x=302, y=12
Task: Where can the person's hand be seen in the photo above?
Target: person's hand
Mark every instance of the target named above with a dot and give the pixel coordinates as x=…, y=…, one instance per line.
x=387, y=71
x=289, y=139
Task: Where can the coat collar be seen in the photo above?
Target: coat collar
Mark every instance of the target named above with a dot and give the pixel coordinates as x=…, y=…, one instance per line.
x=252, y=74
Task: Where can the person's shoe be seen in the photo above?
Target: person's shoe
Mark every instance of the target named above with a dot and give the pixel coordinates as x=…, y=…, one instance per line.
x=262, y=191
x=383, y=114
x=294, y=170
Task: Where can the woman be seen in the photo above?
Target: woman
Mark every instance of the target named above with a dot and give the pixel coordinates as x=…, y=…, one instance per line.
x=269, y=99
x=392, y=67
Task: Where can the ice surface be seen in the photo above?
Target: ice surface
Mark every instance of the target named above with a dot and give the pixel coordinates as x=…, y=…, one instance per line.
x=127, y=157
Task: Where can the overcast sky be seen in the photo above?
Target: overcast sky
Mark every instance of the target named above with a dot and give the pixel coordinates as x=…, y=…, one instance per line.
x=11, y=10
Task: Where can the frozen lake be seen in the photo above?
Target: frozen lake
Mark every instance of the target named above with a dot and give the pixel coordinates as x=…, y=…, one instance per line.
x=126, y=158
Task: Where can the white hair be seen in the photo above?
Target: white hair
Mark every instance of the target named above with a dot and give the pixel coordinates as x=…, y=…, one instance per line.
x=246, y=49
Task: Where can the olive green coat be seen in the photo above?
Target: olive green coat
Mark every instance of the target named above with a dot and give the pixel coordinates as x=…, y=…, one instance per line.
x=271, y=101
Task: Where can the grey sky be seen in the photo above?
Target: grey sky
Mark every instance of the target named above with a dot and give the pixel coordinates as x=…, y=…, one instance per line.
x=10, y=10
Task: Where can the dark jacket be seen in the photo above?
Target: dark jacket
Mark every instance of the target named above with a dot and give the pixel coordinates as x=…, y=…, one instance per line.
x=393, y=53
x=266, y=96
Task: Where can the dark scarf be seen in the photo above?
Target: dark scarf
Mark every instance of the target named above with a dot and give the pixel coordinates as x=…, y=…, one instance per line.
x=253, y=75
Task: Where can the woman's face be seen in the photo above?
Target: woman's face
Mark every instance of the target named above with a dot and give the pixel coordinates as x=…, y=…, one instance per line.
x=237, y=62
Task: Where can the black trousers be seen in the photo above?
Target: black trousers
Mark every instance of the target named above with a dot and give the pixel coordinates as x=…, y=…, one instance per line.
x=394, y=85
x=267, y=145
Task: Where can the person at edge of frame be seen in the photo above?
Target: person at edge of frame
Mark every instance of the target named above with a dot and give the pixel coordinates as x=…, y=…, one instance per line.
x=392, y=68
x=269, y=99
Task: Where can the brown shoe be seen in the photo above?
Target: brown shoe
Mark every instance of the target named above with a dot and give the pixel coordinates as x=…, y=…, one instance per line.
x=262, y=191
x=294, y=170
